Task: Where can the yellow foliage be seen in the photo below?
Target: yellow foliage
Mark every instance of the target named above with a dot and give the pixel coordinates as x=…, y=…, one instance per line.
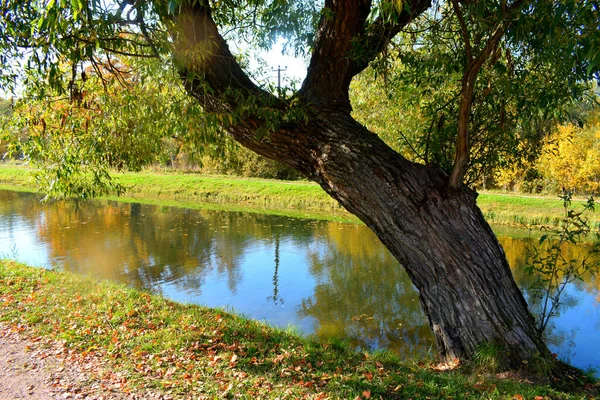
x=509, y=177
x=512, y=177
x=571, y=158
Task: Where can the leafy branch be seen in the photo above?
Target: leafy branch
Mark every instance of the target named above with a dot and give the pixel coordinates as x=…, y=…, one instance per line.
x=553, y=268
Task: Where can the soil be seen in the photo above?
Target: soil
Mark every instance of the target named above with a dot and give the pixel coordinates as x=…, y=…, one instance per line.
x=41, y=369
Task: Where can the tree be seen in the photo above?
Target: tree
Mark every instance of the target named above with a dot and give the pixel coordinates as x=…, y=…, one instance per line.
x=133, y=120
x=414, y=112
x=5, y=107
x=5, y=114
x=567, y=158
x=570, y=159
x=427, y=218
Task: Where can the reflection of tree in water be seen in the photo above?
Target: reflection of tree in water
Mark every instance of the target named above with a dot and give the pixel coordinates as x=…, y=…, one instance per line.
x=516, y=252
x=561, y=339
x=364, y=296
x=143, y=245
x=17, y=208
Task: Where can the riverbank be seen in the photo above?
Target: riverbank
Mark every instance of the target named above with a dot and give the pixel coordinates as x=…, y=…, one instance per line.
x=294, y=198
x=300, y=199
x=146, y=344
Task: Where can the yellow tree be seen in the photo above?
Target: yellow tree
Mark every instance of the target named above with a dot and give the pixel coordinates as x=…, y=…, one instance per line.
x=571, y=159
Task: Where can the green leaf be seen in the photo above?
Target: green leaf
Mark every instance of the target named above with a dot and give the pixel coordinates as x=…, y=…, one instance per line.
x=172, y=6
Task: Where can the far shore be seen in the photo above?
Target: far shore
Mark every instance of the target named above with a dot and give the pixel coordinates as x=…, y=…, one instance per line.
x=300, y=199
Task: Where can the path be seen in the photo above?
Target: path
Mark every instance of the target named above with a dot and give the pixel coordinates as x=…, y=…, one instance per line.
x=40, y=369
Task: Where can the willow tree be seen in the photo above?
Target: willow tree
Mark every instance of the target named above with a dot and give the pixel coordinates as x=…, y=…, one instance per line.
x=427, y=217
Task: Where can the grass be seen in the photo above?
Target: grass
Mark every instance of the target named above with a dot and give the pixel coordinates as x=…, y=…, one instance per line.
x=298, y=198
x=228, y=190
x=524, y=211
x=153, y=344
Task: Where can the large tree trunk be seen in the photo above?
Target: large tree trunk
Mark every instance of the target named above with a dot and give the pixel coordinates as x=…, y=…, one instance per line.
x=441, y=238
x=437, y=233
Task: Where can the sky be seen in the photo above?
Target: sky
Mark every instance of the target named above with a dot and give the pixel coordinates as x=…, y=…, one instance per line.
x=295, y=68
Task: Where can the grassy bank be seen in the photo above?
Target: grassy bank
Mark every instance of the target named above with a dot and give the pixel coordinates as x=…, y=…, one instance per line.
x=154, y=344
x=299, y=198
x=523, y=210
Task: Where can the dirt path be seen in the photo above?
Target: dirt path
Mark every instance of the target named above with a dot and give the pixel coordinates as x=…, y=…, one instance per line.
x=39, y=369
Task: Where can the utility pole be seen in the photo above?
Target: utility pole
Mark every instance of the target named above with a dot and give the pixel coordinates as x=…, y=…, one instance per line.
x=279, y=71
x=276, y=298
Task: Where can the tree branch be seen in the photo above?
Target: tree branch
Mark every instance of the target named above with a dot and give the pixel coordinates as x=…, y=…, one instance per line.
x=377, y=35
x=253, y=117
x=463, y=29
x=345, y=45
x=145, y=32
x=462, y=156
x=203, y=55
x=329, y=72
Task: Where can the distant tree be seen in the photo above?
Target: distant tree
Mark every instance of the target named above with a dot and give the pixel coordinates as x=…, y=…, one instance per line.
x=5, y=107
x=5, y=114
x=566, y=156
x=571, y=159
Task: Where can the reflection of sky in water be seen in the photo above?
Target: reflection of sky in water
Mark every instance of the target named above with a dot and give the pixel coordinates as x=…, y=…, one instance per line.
x=19, y=239
x=579, y=328
x=254, y=293
x=331, y=279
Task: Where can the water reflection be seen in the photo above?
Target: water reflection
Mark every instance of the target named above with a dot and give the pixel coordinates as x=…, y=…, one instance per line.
x=363, y=295
x=275, y=298
x=333, y=280
x=573, y=332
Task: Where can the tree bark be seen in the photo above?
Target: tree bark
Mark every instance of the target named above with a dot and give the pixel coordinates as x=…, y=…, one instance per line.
x=439, y=235
x=437, y=232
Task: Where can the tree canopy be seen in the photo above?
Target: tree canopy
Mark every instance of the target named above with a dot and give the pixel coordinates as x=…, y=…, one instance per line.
x=483, y=76
x=522, y=63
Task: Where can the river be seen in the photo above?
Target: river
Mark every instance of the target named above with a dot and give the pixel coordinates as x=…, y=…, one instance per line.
x=330, y=279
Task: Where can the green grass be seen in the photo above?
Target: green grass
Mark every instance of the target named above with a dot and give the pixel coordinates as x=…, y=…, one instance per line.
x=158, y=345
x=297, y=198
x=15, y=176
x=221, y=189
x=525, y=211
